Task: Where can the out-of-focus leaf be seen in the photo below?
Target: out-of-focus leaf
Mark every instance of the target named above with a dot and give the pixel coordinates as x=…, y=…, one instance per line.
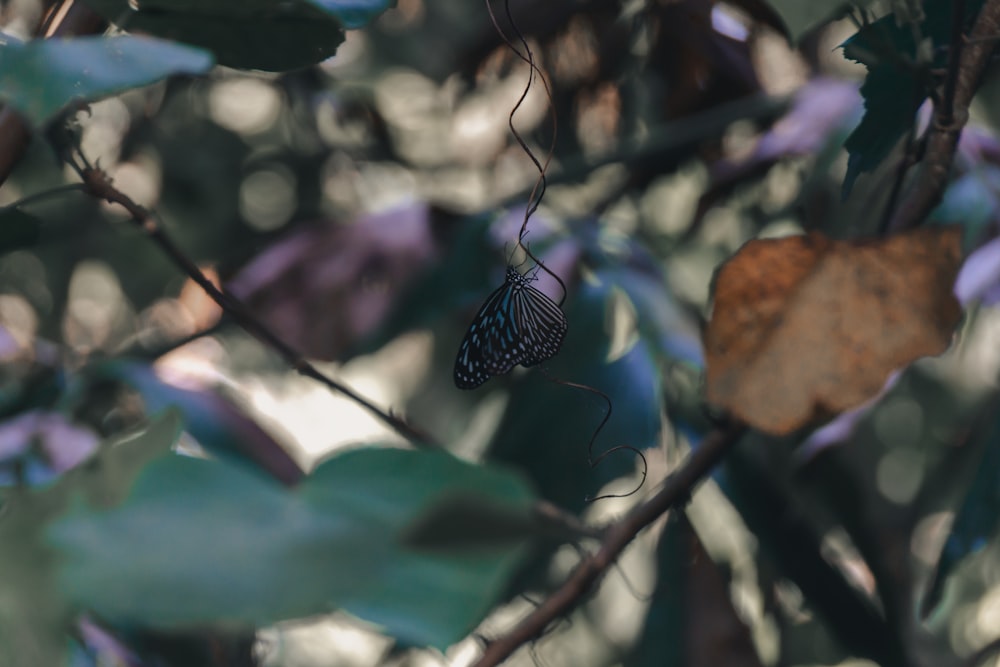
x=327, y=287
x=249, y=34
x=821, y=108
x=459, y=281
x=461, y=523
x=691, y=619
x=801, y=17
x=907, y=466
x=216, y=423
x=102, y=648
x=979, y=279
x=663, y=639
x=34, y=615
x=715, y=633
x=46, y=444
x=760, y=482
x=43, y=76
x=354, y=13
x=972, y=200
x=203, y=542
x=17, y=229
x=976, y=521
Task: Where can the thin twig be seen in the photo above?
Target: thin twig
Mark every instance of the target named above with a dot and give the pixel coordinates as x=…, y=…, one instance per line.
x=98, y=185
x=954, y=60
x=950, y=116
x=908, y=159
x=617, y=536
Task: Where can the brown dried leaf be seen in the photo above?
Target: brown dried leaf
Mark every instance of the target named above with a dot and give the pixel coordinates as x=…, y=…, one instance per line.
x=805, y=327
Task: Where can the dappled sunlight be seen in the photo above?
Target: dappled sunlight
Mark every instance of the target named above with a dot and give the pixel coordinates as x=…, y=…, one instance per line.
x=18, y=319
x=338, y=640
x=97, y=309
x=319, y=422
x=268, y=198
x=244, y=105
x=322, y=334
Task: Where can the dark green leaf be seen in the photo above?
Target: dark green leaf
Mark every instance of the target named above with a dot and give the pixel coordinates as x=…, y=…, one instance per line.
x=892, y=97
x=18, y=229
x=464, y=522
x=249, y=34
x=42, y=77
x=34, y=615
x=898, y=80
x=204, y=542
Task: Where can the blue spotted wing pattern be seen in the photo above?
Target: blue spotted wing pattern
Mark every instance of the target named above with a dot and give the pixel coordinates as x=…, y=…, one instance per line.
x=518, y=324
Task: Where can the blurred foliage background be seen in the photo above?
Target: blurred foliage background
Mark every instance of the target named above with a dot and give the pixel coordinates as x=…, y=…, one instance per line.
x=365, y=206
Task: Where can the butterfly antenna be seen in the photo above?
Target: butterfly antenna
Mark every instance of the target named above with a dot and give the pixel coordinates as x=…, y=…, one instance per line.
x=538, y=190
x=594, y=462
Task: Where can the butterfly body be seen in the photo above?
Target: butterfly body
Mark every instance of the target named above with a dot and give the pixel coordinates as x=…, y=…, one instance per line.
x=518, y=324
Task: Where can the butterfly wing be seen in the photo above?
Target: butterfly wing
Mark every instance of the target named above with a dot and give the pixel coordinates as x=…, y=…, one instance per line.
x=490, y=346
x=542, y=323
x=517, y=325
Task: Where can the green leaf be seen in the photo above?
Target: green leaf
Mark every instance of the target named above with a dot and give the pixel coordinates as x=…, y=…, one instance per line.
x=42, y=77
x=34, y=616
x=801, y=17
x=268, y=35
x=18, y=229
x=892, y=97
x=898, y=81
x=466, y=522
x=202, y=542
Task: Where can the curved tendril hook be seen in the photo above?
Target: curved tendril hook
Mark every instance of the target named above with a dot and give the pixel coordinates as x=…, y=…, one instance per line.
x=594, y=462
x=538, y=190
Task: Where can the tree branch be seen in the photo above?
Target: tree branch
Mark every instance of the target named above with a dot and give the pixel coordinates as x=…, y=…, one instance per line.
x=98, y=185
x=676, y=490
x=966, y=66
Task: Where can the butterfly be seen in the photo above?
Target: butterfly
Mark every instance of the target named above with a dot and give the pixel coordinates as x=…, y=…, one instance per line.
x=518, y=324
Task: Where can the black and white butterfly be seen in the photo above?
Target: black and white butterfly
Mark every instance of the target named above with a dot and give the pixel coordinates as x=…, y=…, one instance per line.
x=518, y=324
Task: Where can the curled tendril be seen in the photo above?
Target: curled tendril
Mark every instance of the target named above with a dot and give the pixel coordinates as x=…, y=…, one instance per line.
x=516, y=44
x=594, y=462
